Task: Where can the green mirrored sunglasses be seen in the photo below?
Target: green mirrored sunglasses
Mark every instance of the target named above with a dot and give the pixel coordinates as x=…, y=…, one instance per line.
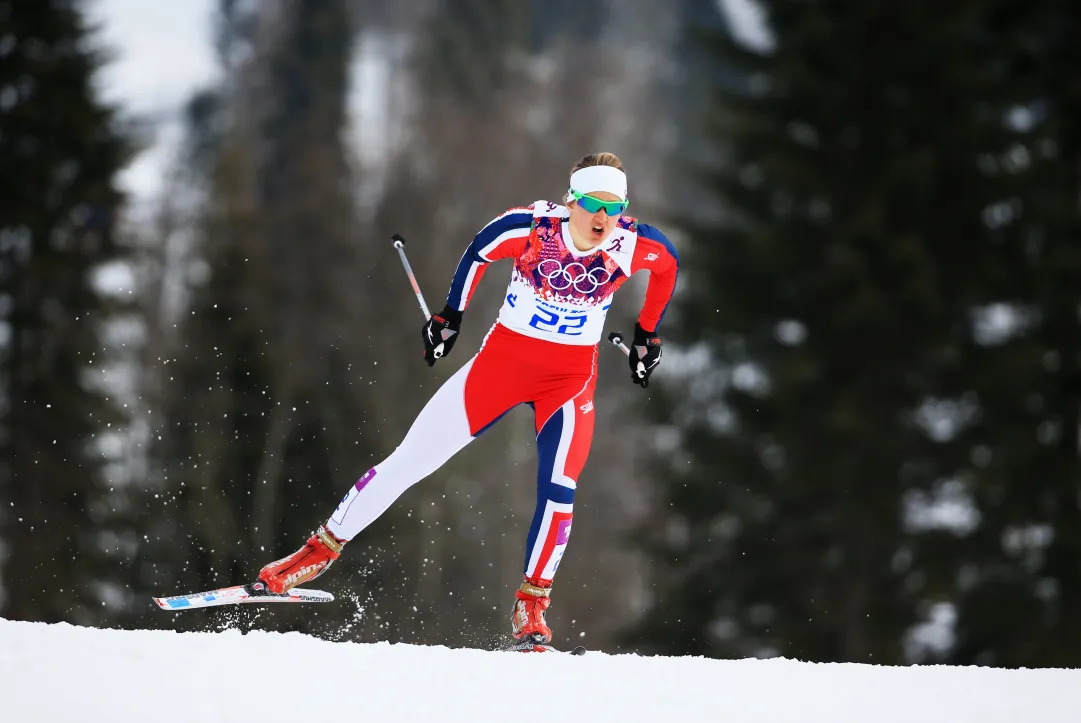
x=592, y=204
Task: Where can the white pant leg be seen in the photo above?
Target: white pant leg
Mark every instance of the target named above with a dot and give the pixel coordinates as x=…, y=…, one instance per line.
x=437, y=434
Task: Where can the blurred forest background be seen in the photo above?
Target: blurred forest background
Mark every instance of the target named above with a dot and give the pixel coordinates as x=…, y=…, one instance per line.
x=863, y=443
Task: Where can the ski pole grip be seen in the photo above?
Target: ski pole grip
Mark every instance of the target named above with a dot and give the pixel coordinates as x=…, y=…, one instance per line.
x=617, y=339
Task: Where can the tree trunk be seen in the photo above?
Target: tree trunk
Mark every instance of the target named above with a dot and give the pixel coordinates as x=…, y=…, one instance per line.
x=268, y=481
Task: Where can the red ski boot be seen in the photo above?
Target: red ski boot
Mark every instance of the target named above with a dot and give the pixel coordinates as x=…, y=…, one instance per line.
x=307, y=563
x=527, y=619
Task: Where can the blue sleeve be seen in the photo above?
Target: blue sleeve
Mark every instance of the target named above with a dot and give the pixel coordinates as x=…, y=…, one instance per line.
x=499, y=239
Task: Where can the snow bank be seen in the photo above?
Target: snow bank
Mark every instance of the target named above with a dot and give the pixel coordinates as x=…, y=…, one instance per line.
x=67, y=673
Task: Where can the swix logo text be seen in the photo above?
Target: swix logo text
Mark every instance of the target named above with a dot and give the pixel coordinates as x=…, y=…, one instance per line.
x=652, y=257
x=587, y=407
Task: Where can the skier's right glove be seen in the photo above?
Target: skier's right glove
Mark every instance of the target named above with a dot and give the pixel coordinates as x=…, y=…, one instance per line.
x=440, y=333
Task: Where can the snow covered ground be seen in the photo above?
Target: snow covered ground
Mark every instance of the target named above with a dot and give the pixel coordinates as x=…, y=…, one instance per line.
x=61, y=673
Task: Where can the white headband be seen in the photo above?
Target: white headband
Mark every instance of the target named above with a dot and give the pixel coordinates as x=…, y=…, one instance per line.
x=600, y=178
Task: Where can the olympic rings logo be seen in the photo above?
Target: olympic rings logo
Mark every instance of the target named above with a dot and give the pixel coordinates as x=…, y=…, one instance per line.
x=561, y=277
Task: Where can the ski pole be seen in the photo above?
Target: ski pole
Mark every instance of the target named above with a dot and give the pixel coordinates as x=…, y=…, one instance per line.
x=399, y=244
x=617, y=339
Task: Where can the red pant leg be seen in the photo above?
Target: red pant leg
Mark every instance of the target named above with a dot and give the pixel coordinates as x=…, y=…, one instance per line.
x=495, y=384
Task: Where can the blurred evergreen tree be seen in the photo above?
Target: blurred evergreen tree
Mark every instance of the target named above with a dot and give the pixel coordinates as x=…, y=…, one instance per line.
x=469, y=48
x=839, y=392
x=262, y=390
x=66, y=524
x=1017, y=586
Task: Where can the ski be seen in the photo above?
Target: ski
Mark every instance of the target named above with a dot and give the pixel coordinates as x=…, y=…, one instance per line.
x=255, y=592
x=533, y=646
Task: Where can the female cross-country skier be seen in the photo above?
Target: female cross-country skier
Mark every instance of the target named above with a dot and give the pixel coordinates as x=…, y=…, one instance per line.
x=542, y=351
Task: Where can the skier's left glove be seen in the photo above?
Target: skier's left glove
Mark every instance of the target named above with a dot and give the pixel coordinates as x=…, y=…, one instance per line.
x=441, y=329
x=645, y=355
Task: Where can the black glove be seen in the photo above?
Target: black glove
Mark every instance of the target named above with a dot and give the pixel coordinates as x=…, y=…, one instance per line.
x=645, y=355
x=440, y=330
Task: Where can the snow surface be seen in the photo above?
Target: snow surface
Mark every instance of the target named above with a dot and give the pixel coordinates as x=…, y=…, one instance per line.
x=60, y=673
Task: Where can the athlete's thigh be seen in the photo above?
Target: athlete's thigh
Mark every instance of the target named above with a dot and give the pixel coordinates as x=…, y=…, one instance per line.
x=493, y=386
x=565, y=421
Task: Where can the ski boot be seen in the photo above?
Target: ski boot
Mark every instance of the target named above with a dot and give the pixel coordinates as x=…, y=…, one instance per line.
x=527, y=618
x=307, y=563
